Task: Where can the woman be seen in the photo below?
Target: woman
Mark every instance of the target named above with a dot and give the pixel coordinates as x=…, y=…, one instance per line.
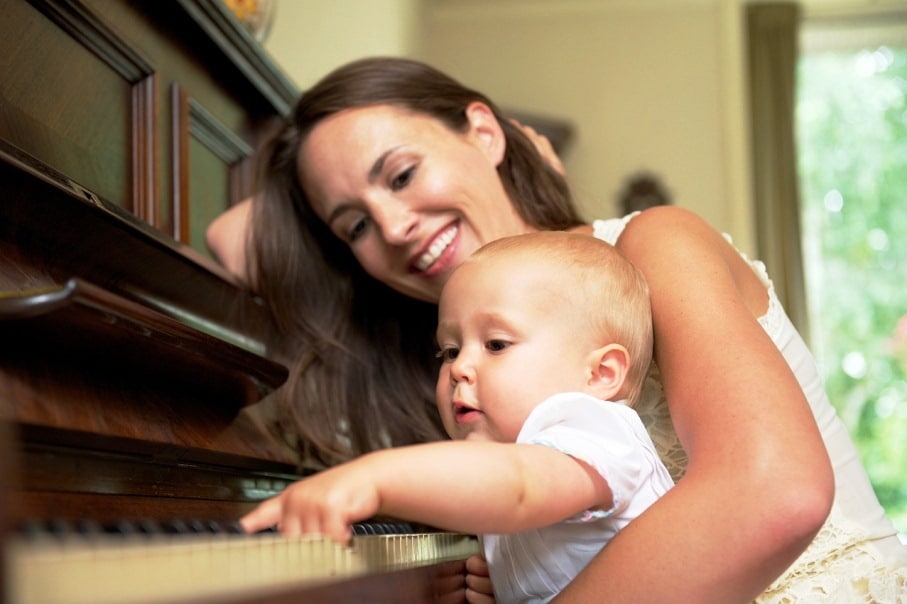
x=389, y=175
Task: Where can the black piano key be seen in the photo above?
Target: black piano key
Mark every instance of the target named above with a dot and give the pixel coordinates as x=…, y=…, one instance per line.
x=89, y=528
x=147, y=526
x=196, y=526
x=121, y=527
x=60, y=527
x=174, y=526
x=233, y=527
x=32, y=528
x=382, y=528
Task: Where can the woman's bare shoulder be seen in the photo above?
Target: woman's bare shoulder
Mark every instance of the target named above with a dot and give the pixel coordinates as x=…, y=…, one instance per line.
x=663, y=222
x=678, y=245
x=668, y=239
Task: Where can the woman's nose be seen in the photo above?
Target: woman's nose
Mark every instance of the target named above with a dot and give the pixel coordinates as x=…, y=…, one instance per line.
x=396, y=220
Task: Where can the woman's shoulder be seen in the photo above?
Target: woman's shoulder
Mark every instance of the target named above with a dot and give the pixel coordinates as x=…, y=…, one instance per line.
x=657, y=222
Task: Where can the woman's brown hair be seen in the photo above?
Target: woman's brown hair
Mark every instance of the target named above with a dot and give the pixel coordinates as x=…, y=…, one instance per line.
x=361, y=355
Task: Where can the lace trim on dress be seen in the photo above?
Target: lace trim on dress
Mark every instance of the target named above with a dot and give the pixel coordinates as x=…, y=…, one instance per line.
x=653, y=410
x=773, y=319
x=839, y=567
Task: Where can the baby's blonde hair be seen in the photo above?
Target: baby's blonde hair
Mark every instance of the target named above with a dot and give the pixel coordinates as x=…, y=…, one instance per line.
x=611, y=292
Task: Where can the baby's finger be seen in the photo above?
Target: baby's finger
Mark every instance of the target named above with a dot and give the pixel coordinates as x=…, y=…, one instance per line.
x=307, y=523
x=477, y=565
x=338, y=530
x=266, y=515
x=448, y=583
x=475, y=597
x=479, y=586
x=478, y=580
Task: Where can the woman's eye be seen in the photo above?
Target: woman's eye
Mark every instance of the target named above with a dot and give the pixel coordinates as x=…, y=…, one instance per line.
x=403, y=178
x=357, y=229
x=496, y=345
x=447, y=355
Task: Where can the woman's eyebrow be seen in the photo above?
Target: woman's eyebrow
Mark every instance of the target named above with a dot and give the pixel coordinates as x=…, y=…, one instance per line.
x=378, y=166
x=336, y=213
x=373, y=174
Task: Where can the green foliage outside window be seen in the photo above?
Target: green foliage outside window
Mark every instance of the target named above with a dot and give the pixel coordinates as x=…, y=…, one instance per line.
x=852, y=146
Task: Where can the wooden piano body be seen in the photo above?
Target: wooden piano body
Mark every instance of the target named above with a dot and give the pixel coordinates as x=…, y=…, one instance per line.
x=131, y=364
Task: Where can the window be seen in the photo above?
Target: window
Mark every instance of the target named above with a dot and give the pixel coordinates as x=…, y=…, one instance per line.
x=851, y=129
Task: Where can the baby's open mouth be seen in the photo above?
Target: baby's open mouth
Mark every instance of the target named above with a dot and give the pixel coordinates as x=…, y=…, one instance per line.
x=464, y=413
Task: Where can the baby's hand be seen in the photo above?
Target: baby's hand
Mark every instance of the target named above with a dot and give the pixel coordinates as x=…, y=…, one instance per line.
x=327, y=503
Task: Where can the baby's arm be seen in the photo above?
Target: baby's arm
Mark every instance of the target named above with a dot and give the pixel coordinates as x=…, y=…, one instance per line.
x=470, y=487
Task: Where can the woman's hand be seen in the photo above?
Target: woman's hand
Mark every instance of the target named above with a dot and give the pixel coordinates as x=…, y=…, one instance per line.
x=543, y=145
x=478, y=581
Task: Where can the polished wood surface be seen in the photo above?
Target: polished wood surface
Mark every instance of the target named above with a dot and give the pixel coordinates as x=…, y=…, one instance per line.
x=132, y=372
x=141, y=351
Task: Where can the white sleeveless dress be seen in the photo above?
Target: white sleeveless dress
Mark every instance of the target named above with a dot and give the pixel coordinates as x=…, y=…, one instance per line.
x=857, y=556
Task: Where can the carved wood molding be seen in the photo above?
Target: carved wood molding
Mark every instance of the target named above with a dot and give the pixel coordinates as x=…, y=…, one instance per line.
x=145, y=160
x=232, y=38
x=87, y=29
x=191, y=119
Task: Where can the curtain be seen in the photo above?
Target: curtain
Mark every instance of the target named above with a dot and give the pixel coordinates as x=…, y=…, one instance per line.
x=772, y=32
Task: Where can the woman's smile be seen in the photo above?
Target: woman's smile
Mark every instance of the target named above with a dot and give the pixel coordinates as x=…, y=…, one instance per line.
x=443, y=245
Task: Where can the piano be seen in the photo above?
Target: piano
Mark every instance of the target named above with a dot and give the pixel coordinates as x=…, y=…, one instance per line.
x=136, y=392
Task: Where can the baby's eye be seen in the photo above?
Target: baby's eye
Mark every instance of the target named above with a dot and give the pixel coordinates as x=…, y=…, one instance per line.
x=403, y=178
x=448, y=354
x=496, y=345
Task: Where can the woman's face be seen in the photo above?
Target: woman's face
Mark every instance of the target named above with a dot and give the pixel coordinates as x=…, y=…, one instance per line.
x=411, y=198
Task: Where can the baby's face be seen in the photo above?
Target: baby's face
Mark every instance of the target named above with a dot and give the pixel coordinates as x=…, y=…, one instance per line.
x=507, y=342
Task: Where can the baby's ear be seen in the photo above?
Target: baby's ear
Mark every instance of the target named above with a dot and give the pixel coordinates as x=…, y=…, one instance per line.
x=607, y=370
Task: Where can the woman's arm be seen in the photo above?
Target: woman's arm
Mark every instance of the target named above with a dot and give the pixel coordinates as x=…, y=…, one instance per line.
x=759, y=483
x=226, y=237
x=471, y=487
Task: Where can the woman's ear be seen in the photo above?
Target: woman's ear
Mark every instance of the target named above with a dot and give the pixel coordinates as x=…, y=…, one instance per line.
x=607, y=371
x=487, y=131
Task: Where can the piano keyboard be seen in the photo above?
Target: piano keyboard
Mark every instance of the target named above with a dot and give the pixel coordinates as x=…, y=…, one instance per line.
x=114, y=570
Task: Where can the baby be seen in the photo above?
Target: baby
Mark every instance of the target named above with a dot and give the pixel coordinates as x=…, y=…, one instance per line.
x=545, y=340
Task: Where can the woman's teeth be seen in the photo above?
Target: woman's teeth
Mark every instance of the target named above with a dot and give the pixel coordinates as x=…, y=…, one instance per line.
x=436, y=249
